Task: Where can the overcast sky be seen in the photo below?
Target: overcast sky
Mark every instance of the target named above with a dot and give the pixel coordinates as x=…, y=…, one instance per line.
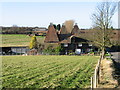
x=42, y=13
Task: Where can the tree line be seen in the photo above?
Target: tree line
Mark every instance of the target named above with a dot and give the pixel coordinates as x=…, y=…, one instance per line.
x=16, y=30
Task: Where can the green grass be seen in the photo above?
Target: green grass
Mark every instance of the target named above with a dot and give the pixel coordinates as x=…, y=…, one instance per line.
x=47, y=71
x=17, y=40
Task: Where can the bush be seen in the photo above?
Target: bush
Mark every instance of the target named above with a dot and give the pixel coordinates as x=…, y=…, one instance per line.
x=107, y=54
x=51, y=50
x=71, y=53
x=91, y=52
x=57, y=50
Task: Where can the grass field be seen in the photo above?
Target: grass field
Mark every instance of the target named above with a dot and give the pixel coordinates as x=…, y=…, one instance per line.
x=47, y=71
x=17, y=40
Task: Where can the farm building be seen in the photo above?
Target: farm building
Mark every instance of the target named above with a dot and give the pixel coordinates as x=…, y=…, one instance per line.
x=72, y=42
x=39, y=31
x=13, y=50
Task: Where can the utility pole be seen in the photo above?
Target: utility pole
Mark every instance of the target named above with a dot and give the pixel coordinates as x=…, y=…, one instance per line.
x=119, y=15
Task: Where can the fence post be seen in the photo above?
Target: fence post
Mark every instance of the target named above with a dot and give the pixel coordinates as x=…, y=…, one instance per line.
x=95, y=79
x=91, y=83
x=99, y=71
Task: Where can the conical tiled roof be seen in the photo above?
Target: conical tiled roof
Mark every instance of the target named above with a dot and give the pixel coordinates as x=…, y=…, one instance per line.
x=51, y=36
x=63, y=30
x=75, y=30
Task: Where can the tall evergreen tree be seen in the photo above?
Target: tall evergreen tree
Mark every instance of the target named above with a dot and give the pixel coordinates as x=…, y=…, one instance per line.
x=33, y=43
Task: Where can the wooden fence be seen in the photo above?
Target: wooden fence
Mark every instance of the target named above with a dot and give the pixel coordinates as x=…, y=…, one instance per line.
x=95, y=79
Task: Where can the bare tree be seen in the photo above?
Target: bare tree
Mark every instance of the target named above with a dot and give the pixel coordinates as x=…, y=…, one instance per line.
x=102, y=21
x=101, y=33
x=69, y=25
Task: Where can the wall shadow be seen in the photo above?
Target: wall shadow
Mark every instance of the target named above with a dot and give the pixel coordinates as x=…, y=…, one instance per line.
x=116, y=73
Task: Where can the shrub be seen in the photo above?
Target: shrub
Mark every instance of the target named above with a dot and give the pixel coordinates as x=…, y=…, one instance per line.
x=107, y=54
x=51, y=50
x=58, y=50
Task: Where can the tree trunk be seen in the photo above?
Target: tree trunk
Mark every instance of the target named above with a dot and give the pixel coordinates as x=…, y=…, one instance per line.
x=103, y=53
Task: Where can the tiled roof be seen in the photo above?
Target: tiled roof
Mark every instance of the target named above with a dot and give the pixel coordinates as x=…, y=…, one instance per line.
x=116, y=35
x=75, y=30
x=63, y=30
x=64, y=37
x=51, y=36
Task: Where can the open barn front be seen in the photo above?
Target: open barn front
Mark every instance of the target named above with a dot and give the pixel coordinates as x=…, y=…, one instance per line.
x=13, y=50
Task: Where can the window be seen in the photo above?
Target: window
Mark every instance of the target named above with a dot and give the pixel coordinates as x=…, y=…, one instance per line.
x=80, y=44
x=65, y=45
